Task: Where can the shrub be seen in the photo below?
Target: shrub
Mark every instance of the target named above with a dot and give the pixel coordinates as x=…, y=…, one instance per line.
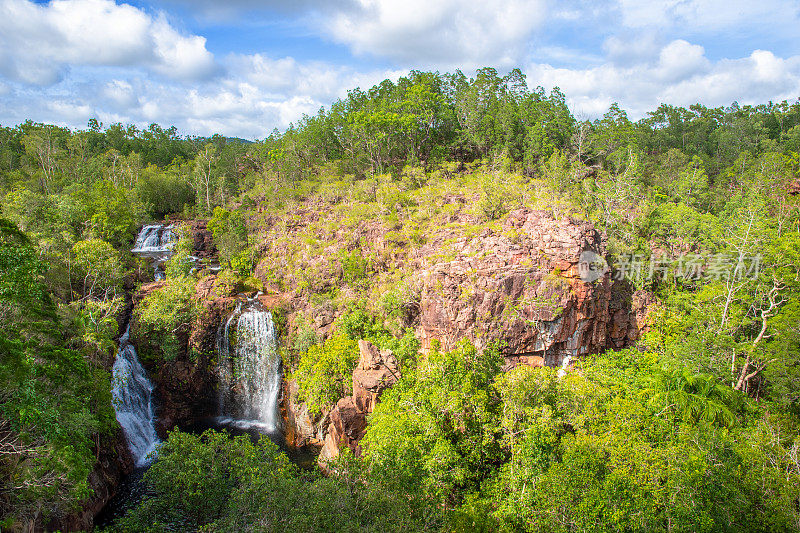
x=162, y=314
x=164, y=191
x=325, y=371
x=230, y=233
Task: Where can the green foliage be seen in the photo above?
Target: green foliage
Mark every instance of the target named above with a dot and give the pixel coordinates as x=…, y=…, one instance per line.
x=162, y=316
x=359, y=324
x=434, y=434
x=21, y=268
x=494, y=200
x=696, y=434
x=215, y=482
x=196, y=477
x=305, y=338
x=244, y=262
x=97, y=268
x=230, y=234
x=603, y=451
x=54, y=405
x=94, y=322
x=164, y=191
x=355, y=266
x=180, y=265
x=325, y=372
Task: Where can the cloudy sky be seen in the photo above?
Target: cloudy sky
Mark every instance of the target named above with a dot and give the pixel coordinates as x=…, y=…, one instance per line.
x=244, y=67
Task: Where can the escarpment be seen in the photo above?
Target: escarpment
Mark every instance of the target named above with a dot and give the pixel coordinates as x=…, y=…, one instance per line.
x=523, y=287
x=537, y=286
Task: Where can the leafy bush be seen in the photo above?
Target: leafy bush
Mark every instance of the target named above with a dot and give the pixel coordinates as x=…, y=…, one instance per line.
x=164, y=191
x=215, y=482
x=161, y=315
x=305, y=338
x=54, y=404
x=354, y=265
x=433, y=435
x=97, y=268
x=230, y=233
x=325, y=371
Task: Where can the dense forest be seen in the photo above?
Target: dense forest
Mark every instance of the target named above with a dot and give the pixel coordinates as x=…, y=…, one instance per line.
x=694, y=427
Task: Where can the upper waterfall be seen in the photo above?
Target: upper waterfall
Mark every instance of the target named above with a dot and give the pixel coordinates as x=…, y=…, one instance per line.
x=154, y=238
x=156, y=242
x=249, y=369
x=133, y=401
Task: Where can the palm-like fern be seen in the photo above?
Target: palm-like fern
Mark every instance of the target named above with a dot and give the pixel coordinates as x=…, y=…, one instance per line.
x=695, y=397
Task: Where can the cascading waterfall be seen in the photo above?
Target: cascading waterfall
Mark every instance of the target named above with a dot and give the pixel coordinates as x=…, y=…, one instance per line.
x=249, y=369
x=154, y=238
x=133, y=401
x=155, y=241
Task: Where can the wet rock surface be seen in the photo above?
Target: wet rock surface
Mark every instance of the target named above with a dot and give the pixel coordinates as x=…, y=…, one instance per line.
x=186, y=386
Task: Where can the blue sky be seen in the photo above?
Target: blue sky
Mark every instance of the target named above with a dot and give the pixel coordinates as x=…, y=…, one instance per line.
x=245, y=67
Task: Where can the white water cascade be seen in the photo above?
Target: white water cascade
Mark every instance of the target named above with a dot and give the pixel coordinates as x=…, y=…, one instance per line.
x=133, y=402
x=564, y=365
x=155, y=241
x=154, y=238
x=249, y=370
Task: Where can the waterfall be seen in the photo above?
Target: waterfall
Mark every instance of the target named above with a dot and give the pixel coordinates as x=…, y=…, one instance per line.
x=155, y=241
x=249, y=369
x=154, y=238
x=133, y=401
x=564, y=365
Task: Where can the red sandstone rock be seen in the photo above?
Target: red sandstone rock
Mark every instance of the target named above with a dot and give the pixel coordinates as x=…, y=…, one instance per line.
x=521, y=287
x=377, y=370
x=794, y=187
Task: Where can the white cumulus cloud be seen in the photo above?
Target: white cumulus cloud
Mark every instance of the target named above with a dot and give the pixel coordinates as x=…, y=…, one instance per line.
x=681, y=75
x=39, y=43
x=444, y=32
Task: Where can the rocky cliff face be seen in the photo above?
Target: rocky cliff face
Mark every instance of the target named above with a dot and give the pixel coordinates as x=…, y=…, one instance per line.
x=377, y=370
x=538, y=286
x=524, y=284
x=522, y=287
x=186, y=387
x=300, y=428
x=202, y=239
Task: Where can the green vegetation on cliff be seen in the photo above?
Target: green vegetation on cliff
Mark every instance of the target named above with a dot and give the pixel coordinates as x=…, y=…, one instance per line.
x=695, y=430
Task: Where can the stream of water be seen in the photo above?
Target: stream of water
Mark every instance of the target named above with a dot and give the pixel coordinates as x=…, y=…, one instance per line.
x=133, y=402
